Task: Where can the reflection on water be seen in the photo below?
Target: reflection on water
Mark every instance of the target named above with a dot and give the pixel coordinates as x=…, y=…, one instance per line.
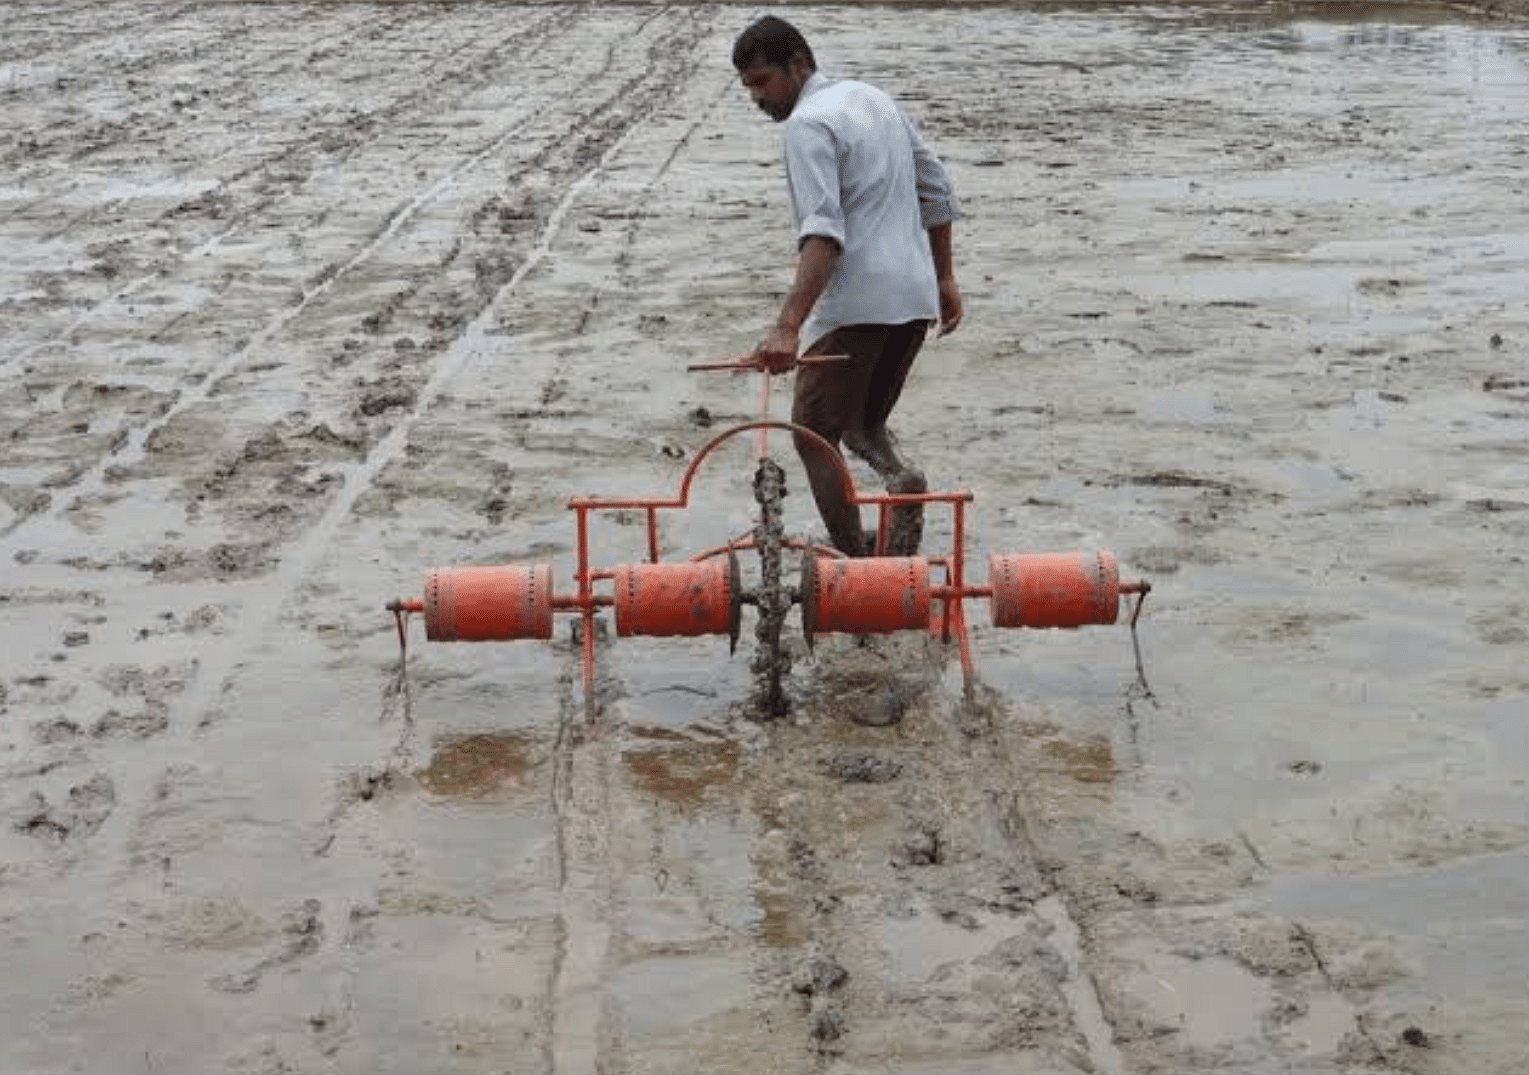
x=1087, y=761
x=480, y=767
x=780, y=923
x=1091, y=761
x=685, y=774
x=1211, y=1001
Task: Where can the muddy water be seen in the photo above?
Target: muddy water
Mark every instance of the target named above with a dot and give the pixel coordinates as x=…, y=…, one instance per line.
x=299, y=300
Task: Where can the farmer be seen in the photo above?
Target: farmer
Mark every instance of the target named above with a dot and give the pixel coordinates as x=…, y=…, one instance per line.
x=865, y=193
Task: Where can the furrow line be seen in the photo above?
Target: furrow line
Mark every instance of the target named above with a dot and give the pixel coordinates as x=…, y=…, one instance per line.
x=133, y=449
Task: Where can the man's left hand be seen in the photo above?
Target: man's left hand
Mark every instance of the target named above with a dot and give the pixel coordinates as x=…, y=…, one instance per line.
x=950, y=306
x=777, y=352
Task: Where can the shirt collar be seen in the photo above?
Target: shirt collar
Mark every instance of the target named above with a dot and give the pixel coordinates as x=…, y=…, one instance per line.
x=816, y=82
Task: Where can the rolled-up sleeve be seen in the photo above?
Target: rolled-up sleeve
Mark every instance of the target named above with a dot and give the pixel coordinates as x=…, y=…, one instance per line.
x=937, y=202
x=812, y=170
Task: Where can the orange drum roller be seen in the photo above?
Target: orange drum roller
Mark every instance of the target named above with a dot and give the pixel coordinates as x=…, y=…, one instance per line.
x=684, y=599
x=871, y=595
x=488, y=604
x=1053, y=589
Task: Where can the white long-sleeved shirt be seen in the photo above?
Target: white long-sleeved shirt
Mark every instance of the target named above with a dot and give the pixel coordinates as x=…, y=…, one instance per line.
x=860, y=175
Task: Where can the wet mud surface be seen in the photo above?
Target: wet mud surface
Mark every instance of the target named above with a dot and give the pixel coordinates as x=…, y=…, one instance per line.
x=301, y=300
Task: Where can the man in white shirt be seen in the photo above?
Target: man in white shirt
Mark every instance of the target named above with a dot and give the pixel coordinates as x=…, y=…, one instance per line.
x=873, y=214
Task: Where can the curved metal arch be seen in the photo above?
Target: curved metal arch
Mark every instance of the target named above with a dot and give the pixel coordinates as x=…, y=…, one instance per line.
x=769, y=423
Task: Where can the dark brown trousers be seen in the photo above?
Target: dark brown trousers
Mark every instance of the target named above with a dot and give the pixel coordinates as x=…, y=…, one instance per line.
x=848, y=402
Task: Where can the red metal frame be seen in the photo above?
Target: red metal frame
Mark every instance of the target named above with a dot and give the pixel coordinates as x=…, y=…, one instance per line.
x=948, y=623
x=950, y=595
x=951, y=618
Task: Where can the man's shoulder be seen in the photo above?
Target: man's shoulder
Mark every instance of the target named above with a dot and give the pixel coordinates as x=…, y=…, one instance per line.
x=841, y=99
x=841, y=91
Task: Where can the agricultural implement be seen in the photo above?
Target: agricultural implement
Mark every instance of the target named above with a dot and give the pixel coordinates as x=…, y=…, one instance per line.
x=705, y=594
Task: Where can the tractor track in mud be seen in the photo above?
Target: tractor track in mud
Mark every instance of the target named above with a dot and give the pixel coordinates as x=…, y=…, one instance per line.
x=571, y=148
x=238, y=201
x=119, y=78
x=574, y=151
x=88, y=42
x=326, y=139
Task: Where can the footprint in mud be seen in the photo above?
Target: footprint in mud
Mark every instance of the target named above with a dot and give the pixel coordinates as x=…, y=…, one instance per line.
x=1168, y=559
x=112, y=724
x=804, y=863
x=50, y=732
x=381, y=398
x=81, y=813
x=817, y=980
x=201, y=620
x=302, y=934
x=226, y=561
x=94, y=988
x=1501, y=627
x=260, y=1056
x=1174, y=479
x=218, y=922
x=923, y=845
x=154, y=687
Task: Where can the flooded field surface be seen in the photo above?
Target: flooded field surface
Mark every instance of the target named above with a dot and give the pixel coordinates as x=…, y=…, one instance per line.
x=300, y=300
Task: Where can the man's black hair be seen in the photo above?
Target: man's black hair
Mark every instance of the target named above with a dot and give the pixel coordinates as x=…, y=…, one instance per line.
x=772, y=41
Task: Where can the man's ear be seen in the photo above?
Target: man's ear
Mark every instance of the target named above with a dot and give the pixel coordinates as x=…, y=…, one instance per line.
x=799, y=68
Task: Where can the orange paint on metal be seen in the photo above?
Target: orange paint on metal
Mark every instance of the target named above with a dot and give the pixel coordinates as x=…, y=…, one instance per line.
x=488, y=604
x=692, y=598
x=1053, y=589
x=868, y=595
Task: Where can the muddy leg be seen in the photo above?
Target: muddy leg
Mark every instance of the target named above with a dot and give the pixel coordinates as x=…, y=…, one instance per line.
x=840, y=516
x=870, y=439
x=878, y=448
x=829, y=398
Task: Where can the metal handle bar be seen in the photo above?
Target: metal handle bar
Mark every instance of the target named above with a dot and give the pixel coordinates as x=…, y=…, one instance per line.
x=749, y=362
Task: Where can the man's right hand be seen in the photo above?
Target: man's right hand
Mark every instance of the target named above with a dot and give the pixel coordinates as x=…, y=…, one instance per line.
x=777, y=352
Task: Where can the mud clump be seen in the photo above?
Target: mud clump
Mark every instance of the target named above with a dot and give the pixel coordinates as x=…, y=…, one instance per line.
x=381, y=400
x=818, y=980
x=874, y=683
x=857, y=767
x=820, y=975
x=57, y=730
x=923, y=846
x=225, y=561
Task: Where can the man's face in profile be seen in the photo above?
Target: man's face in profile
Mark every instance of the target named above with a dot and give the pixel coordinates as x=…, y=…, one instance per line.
x=775, y=89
